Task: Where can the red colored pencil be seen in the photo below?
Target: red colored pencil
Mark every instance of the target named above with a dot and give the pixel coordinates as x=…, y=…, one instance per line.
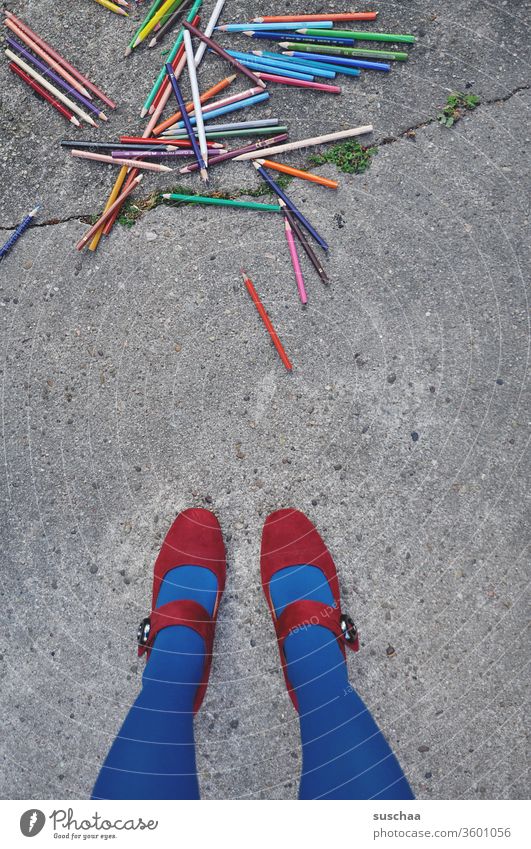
x=45, y=94
x=267, y=321
x=62, y=61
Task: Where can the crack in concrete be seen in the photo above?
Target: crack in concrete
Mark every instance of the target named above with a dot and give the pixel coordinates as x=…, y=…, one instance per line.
x=85, y=218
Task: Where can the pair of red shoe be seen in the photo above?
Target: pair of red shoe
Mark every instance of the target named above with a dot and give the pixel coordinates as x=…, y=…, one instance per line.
x=288, y=539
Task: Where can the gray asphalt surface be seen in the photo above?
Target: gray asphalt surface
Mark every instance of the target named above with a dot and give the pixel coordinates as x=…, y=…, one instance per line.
x=138, y=381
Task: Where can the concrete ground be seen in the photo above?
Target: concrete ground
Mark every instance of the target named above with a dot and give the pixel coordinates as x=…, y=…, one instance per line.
x=138, y=381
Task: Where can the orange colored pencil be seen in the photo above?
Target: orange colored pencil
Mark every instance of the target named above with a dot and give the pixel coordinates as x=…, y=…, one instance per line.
x=295, y=172
x=267, y=321
x=208, y=95
x=345, y=16
x=118, y=183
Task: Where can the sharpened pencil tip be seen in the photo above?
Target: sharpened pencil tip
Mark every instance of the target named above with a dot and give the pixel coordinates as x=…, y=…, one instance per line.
x=166, y=195
x=102, y=116
x=204, y=175
x=128, y=50
x=143, y=112
x=152, y=43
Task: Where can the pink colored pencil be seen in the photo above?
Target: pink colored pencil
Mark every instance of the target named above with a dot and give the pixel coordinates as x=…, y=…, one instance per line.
x=273, y=78
x=295, y=262
x=108, y=213
x=62, y=61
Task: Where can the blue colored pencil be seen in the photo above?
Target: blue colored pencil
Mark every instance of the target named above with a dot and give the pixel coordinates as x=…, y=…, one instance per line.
x=339, y=60
x=21, y=229
x=297, y=36
x=256, y=65
x=224, y=110
x=315, y=67
x=186, y=121
x=289, y=203
x=287, y=27
x=277, y=60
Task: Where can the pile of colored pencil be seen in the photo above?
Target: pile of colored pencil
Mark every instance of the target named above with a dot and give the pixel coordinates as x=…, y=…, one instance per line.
x=314, y=53
x=51, y=76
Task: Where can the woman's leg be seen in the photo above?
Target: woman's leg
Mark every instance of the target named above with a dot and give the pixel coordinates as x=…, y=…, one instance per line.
x=345, y=755
x=153, y=756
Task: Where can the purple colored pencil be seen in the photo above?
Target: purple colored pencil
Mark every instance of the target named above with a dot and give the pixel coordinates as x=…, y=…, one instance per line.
x=230, y=154
x=150, y=154
x=47, y=71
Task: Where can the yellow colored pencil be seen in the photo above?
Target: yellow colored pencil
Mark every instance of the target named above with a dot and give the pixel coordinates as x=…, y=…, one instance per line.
x=153, y=21
x=112, y=7
x=116, y=189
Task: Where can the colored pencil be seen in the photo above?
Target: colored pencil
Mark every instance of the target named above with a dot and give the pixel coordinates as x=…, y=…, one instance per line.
x=107, y=214
x=291, y=25
x=223, y=53
x=240, y=134
x=57, y=67
x=151, y=11
x=314, y=68
x=231, y=154
x=158, y=15
x=266, y=320
x=102, y=157
x=344, y=16
x=296, y=172
x=205, y=97
x=345, y=51
x=363, y=36
x=171, y=56
x=281, y=194
x=172, y=20
x=209, y=29
x=44, y=94
x=273, y=68
x=213, y=111
x=114, y=195
x=312, y=256
x=58, y=95
x=295, y=262
x=91, y=145
x=186, y=121
x=19, y=231
x=183, y=142
x=316, y=39
x=243, y=204
x=297, y=145
x=196, y=98
x=276, y=78
x=164, y=92
x=112, y=7
x=56, y=78
x=339, y=60
x=62, y=61
x=151, y=154
x=238, y=125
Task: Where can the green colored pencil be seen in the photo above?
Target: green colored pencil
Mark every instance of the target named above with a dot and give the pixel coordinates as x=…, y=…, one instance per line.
x=152, y=9
x=344, y=51
x=244, y=204
x=170, y=12
x=360, y=36
x=224, y=134
x=169, y=58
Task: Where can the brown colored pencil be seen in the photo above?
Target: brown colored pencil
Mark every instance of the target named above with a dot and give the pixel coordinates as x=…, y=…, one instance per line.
x=223, y=53
x=230, y=154
x=312, y=256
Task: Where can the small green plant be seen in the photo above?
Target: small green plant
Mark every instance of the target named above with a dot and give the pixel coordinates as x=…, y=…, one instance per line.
x=457, y=104
x=349, y=156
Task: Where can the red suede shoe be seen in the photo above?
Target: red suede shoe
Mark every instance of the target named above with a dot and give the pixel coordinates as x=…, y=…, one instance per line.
x=290, y=539
x=194, y=539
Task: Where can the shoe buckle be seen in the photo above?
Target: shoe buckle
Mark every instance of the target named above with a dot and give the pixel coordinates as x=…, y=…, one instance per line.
x=349, y=630
x=142, y=635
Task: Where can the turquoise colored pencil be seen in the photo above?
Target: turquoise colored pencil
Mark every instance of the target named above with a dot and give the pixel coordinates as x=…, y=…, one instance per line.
x=243, y=204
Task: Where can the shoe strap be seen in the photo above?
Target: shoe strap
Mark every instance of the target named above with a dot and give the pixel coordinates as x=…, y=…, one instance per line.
x=305, y=613
x=182, y=612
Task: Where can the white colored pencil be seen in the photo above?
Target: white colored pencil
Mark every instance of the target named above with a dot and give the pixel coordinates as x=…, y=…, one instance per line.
x=131, y=163
x=48, y=59
x=209, y=29
x=196, y=98
x=296, y=145
x=51, y=88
